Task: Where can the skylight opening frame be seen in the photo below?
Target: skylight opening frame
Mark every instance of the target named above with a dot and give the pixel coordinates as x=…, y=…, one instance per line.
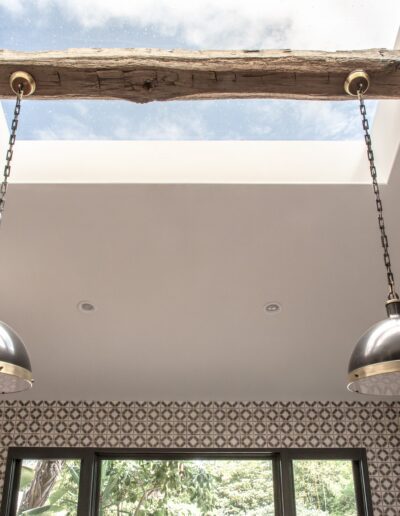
x=209, y=162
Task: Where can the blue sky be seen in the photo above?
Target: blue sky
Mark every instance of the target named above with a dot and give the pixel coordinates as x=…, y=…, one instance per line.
x=332, y=24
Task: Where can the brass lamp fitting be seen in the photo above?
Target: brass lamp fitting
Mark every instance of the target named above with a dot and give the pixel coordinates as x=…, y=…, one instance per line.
x=24, y=80
x=355, y=81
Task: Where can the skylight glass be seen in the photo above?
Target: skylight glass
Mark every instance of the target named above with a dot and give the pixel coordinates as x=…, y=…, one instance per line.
x=189, y=120
x=205, y=24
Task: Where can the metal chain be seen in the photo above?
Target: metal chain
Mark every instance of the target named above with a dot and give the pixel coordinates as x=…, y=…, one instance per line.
x=384, y=239
x=10, y=150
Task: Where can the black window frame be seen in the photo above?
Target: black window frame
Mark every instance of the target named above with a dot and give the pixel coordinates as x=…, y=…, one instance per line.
x=282, y=460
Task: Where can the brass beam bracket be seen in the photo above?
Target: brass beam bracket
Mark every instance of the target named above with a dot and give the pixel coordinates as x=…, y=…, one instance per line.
x=22, y=80
x=356, y=80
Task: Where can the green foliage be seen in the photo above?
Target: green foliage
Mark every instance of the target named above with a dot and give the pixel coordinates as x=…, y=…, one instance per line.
x=63, y=499
x=242, y=487
x=65, y=495
x=325, y=487
x=27, y=474
x=153, y=487
x=37, y=510
x=201, y=487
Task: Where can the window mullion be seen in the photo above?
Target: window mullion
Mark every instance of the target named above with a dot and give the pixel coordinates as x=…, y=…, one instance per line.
x=287, y=484
x=362, y=488
x=10, y=489
x=87, y=484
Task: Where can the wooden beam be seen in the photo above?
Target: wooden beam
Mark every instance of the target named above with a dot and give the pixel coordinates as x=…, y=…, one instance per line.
x=145, y=75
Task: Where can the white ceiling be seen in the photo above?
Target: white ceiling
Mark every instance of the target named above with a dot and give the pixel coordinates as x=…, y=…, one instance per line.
x=180, y=275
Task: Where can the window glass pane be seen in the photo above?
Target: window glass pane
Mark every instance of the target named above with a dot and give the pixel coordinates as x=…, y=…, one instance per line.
x=324, y=488
x=187, y=487
x=49, y=485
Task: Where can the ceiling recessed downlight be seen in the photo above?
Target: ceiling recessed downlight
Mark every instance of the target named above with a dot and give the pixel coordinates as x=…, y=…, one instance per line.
x=273, y=307
x=86, y=307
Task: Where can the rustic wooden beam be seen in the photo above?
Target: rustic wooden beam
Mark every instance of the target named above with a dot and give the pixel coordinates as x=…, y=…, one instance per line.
x=145, y=75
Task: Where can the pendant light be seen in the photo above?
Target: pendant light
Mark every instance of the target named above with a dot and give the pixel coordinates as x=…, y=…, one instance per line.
x=374, y=366
x=15, y=366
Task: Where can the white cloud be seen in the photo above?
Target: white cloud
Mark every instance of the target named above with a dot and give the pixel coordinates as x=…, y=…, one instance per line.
x=67, y=128
x=309, y=120
x=162, y=128
x=14, y=7
x=165, y=125
x=305, y=24
x=290, y=120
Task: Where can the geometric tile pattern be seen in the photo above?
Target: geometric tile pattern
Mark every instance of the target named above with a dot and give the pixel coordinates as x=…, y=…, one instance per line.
x=371, y=425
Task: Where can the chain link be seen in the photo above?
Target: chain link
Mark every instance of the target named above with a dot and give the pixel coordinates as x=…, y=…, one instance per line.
x=384, y=239
x=10, y=150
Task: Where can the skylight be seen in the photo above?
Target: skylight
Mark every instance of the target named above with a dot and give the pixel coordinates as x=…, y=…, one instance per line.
x=189, y=120
x=56, y=24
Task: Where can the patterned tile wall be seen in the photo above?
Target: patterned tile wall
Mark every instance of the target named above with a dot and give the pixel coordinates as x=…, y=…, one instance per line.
x=374, y=426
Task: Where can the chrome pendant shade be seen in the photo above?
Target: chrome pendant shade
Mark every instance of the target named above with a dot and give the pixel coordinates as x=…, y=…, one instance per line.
x=15, y=366
x=374, y=366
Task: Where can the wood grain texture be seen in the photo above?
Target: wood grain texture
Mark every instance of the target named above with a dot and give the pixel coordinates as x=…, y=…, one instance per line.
x=146, y=75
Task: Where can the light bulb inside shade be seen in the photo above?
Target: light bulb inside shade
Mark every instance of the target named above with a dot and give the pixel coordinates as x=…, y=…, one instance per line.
x=11, y=383
x=15, y=366
x=386, y=384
